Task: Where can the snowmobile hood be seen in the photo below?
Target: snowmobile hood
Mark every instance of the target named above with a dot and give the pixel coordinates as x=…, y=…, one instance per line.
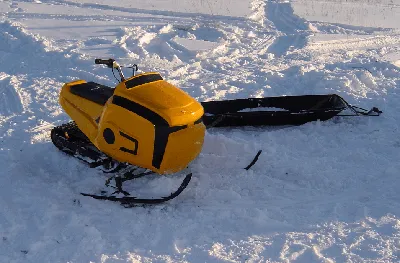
x=170, y=102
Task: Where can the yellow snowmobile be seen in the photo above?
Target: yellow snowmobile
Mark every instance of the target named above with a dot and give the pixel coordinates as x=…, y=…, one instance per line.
x=144, y=121
x=146, y=125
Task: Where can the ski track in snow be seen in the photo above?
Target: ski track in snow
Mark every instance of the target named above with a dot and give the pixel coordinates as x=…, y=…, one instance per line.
x=320, y=192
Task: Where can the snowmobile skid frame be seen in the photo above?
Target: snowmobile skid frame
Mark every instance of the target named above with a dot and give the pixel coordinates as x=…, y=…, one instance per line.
x=104, y=130
x=70, y=140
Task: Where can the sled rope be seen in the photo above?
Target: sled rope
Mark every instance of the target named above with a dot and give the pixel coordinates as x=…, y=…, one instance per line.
x=374, y=111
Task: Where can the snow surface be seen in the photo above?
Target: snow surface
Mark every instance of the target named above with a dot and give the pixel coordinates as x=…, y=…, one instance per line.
x=320, y=192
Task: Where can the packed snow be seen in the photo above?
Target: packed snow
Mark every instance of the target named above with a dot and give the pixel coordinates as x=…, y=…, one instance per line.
x=320, y=192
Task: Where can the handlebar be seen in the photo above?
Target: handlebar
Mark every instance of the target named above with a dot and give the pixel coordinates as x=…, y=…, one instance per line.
x=107, y=62
x=111, y=63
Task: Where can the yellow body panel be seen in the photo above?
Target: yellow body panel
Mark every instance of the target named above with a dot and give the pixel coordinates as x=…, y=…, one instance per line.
x=84, y=112
x=183, y=148
x=173, y=104
x=120, y=120
x=150, y=123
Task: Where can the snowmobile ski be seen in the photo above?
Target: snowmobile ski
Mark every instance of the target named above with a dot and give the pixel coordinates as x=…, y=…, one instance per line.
x=130, y=201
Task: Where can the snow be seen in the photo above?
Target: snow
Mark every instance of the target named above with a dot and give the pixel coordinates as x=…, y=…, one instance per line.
x=375, y=13
x=320, y=192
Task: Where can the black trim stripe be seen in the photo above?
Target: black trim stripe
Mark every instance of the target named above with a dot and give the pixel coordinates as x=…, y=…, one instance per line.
x=128, y=137
x=128, y=150
x=162, y=130
x=140, y=80
x=140, y=110
x=161, y=139
x=198, y=121
x=134, y=152
x=160, y=144
x=177, y=128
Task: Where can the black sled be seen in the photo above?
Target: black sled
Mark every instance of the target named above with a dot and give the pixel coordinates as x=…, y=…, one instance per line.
x=273, y=111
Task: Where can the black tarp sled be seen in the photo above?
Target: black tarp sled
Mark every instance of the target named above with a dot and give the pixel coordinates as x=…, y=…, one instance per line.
x=284, y=110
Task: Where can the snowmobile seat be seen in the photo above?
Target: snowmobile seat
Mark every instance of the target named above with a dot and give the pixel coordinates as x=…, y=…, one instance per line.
x=93, y=91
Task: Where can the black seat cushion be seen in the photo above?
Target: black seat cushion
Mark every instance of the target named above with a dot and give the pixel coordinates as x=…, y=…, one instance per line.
x=93, y=91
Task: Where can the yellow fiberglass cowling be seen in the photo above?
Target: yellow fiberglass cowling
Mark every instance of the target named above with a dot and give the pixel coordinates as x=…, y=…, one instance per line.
x=146, y=122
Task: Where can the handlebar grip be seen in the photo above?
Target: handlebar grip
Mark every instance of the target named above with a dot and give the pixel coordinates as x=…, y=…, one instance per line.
x=108, y=62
